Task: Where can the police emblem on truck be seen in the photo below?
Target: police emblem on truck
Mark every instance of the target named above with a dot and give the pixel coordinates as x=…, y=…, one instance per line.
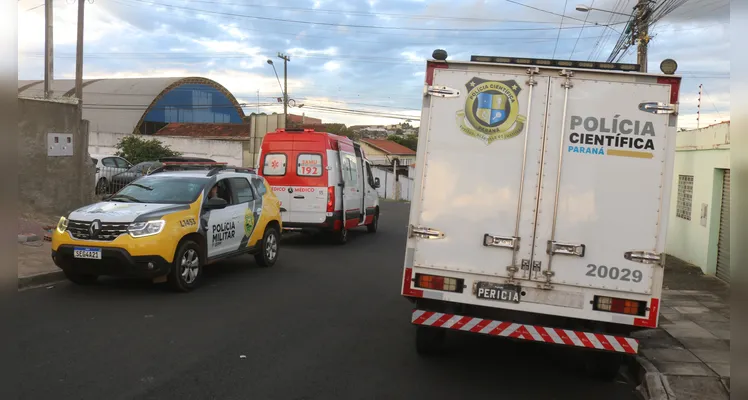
x=491, y=110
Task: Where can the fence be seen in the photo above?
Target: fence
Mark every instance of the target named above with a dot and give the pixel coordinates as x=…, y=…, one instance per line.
x=389, y=188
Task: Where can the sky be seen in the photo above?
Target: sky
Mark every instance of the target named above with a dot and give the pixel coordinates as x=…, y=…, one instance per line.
x=363, y=62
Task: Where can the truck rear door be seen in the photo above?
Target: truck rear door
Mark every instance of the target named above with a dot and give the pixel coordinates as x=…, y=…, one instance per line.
x=605, y=166
x=478, y=185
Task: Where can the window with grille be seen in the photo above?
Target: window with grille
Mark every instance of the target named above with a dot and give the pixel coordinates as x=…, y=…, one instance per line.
x=685, y=195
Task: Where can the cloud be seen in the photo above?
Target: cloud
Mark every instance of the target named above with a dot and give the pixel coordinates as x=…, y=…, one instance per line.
x=355, y=65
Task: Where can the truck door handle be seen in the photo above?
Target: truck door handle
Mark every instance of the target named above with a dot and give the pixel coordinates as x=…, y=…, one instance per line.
x=298, y=197
x=425, y=233
x=569, y=249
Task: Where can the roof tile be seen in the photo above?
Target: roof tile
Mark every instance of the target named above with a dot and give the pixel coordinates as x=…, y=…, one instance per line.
x=390, y=147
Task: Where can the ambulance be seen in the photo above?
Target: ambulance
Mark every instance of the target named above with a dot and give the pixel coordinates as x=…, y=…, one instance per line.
x=541, y=203
x=324, y=182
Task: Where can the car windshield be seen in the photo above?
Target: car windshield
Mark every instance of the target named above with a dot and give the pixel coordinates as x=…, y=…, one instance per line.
x=161, y=190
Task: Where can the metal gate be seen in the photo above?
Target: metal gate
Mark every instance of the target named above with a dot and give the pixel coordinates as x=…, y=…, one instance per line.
x=723, y=245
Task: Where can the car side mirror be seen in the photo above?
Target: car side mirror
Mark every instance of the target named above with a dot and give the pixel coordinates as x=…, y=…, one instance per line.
x=376, y=183
x=215, y=203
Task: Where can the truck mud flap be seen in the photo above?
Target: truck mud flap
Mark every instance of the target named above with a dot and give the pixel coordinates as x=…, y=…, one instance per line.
x=596, y=341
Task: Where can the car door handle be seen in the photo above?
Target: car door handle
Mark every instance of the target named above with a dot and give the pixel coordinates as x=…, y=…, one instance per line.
x=298, y=197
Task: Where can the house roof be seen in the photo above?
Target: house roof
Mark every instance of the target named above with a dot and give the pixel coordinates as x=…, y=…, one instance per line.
x=204, y=130
x=389, y=147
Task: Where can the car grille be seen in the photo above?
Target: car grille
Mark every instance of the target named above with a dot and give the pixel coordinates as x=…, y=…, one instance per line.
x=109, y=230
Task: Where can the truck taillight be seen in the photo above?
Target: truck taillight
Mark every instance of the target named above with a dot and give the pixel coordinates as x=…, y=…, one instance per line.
x=620, y=306
x=437, y=282
x=330, y=199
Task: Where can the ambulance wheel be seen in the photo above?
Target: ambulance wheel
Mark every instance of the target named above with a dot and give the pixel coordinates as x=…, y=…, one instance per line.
x=429, y=341
x=187, y=269
x=81, y=279
x=372, y=227
x=269, y=249
x=603, y=366
x=341, y=236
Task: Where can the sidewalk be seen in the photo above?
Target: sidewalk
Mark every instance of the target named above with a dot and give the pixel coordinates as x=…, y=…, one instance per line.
x=35, y=266
x=692, y=346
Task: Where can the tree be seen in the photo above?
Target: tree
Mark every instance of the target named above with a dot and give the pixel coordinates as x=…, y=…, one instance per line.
x=410, y=142
x=136, y=149
x=342, y=130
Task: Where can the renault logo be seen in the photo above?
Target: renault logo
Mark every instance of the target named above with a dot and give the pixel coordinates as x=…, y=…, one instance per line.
x=95, y=228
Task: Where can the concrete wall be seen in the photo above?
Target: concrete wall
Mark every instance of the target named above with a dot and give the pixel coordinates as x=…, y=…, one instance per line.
x=402, y=189
x=52, y=186
x=231, y=151
x=703, y=153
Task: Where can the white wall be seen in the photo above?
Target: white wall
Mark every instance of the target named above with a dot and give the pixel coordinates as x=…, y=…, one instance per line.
x=702, y=153
x=387, y=188
x=221, y=150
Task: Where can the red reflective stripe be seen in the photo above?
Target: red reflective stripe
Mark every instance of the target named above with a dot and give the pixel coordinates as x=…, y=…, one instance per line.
x=674, y=87
x=459, y=324
x=426, y=315
x=625, y=344
x=441, y=320
x=651, y=321
x=585, y=341
x=564, y=337
x=430, y=68
x=603, y=341
x=408, y=276
x=480, y=325
x=500, y=328
x=543, y=334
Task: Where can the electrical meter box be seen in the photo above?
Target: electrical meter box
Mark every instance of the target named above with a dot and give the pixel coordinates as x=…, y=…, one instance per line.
x=59, y=144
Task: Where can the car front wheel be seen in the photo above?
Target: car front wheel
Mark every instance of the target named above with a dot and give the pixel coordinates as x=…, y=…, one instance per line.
x=269, y=248
x=187, y=269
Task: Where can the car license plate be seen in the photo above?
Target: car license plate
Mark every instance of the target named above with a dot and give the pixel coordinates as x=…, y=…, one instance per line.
x=498, y=292
x=90, y=253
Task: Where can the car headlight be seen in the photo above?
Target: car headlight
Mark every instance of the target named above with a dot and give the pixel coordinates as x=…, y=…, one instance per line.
x=140, y=229
x=62, y=225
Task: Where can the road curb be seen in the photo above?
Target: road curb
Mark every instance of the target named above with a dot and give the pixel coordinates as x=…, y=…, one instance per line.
x=652, y=384
x=40, y=279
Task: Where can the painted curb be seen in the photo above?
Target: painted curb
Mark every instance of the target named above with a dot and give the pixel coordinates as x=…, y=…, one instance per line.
x=40, y=279
x=652, y=384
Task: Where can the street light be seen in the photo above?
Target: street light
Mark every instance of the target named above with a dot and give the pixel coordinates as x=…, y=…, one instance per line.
x=583, y=8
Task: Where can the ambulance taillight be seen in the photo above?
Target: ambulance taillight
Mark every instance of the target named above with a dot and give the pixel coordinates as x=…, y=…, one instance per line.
x=330, y=199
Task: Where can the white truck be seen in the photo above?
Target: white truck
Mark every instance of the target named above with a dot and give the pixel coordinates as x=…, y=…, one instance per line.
x=542, y=192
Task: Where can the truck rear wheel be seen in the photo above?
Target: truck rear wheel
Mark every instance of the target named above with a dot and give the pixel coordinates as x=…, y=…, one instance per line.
x=429, y=341
x=603, y=366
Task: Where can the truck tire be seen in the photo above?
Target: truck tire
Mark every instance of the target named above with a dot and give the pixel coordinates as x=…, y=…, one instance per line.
x=603, y=366
x=187, y=268
x=429, y=341
x=81, y=279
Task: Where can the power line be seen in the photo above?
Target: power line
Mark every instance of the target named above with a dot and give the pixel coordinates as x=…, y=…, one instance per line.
x=555, y=47
x=348, y=25
x=369, y=14
x=580, y=31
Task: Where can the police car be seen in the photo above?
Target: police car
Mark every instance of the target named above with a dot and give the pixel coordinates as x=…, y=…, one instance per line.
x=166, y=226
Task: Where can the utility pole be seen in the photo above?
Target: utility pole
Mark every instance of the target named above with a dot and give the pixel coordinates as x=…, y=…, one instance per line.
x=79, y=60
x=49, y=58
x=285, y=59
x=643, y=13
x=698, y=109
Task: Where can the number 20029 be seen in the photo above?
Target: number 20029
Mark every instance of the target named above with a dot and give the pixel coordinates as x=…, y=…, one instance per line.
x=624, y=274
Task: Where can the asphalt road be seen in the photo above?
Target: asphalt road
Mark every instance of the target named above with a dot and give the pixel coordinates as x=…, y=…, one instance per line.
x=327, y=322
